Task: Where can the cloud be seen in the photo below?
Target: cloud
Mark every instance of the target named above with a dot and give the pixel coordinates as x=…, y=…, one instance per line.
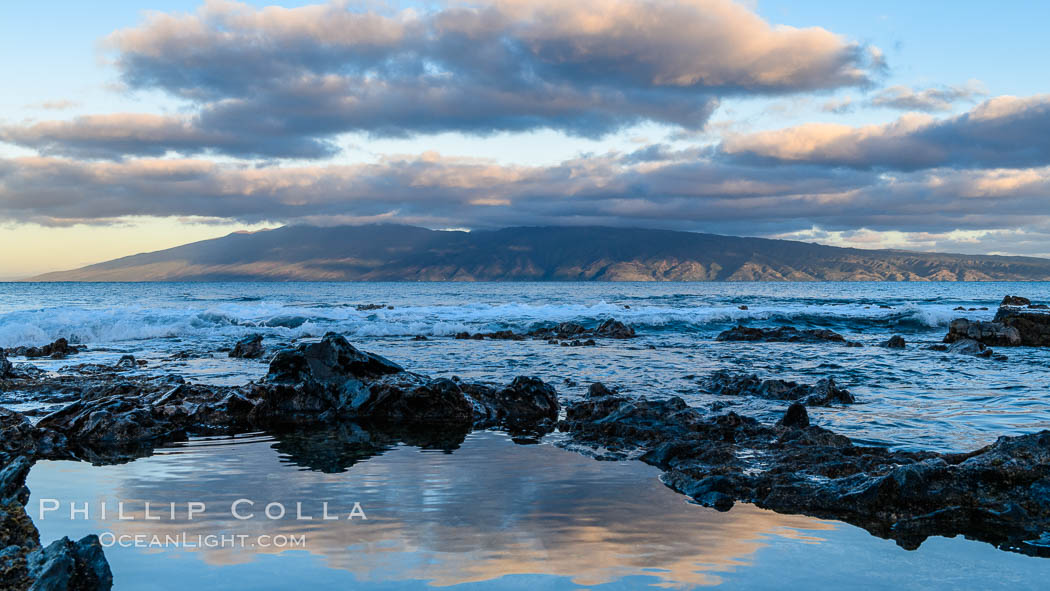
x=658, y=187
x=1008, y=132
x=839, y=106
x=57, y=105
x=928, y=100
x=287, y=80
x=116, y=136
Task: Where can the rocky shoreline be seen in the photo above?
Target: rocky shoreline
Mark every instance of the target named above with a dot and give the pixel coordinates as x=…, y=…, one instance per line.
x=330, y=404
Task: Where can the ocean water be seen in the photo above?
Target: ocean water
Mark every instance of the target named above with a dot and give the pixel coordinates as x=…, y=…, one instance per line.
x=492, y=514
x=915, y=399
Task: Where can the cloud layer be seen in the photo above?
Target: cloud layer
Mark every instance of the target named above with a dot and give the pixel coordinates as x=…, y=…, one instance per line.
x=685, y=190
x=284, y=81
x=1001, y=132
x=263, y=83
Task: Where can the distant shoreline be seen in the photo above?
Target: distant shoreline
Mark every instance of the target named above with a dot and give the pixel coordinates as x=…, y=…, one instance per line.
x=381, y=253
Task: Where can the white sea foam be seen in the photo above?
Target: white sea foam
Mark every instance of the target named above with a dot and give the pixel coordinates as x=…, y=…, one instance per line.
x=131, y=323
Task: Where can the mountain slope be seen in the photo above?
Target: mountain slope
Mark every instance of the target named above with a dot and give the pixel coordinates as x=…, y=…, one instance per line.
x=406, y=253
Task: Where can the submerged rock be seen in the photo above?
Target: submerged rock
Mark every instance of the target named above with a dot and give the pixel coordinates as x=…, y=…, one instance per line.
x=370, y=307
x=570, y=332
x=250, y=347
x=598, y=389
x=895, y=342
x=970, y=347
x=787, y=334
x=499, y=335
x=823, y=393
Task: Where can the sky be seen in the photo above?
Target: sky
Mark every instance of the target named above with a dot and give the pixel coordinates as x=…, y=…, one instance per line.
x=917, y=125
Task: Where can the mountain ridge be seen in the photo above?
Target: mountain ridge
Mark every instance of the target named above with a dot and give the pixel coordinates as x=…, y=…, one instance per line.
x=537, y=253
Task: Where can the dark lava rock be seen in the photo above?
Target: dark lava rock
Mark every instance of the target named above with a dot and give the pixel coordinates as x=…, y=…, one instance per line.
x=987, y=333
x=128, y=425
x=573, y=333
x=610, y=329
x=895, y=342
x=1017, y=322
x=499, y=335
x=997, y=494
x=369, y=307
x=796, y=416
x=599, y=389
x=823, y=393
x=127, y=362
x=24, y=564
x=970, y=347
x=333, y=359
x=250, y=347
x=56, y=350
x=6, y=369
x=579, y=343
x=1015, y=301
x=742, y=307
x=614, y=329
x=527, y=404
x=420, y=337
x=320, y=382
x=114, y=418
x=65, y=565
x=1032, y=325
x=438, y=401
x=788, y=334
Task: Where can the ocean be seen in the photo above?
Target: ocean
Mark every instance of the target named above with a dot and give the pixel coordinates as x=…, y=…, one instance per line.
x=495, y=514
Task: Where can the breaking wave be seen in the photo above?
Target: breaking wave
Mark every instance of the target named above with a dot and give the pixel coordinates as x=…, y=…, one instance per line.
x=130, y=323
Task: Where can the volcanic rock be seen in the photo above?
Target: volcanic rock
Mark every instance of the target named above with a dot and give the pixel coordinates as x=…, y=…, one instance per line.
x=895, y=342
x=250, y=347
x=823, y=393
x=787, y=334
x=986, y=333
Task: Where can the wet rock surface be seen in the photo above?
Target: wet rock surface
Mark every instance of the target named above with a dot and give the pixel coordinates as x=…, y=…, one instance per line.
x=330, y=405
x=112, y=417
x=569, y=332
x=64, y=565
x=781, y=334
x=823, y=393
x=895, y=342
x=6, y=366
x=56, y=350
x=359, y=403
x=998, y=494
x=1032, y=324
x=250, y=347
x=986, y=333
x=1018, y=322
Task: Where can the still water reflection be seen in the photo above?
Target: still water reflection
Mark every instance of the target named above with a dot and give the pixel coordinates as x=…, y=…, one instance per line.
x=482, y=514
